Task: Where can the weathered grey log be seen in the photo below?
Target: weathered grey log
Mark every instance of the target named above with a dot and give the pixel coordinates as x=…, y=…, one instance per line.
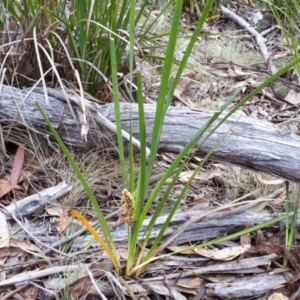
x=250, y=143
x=253, y=286
x=207, y=227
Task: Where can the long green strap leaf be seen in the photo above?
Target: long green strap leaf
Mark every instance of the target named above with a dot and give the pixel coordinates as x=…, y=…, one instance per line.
x=83, y=181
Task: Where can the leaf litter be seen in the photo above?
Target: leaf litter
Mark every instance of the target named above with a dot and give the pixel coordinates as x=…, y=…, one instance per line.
x=212, y=80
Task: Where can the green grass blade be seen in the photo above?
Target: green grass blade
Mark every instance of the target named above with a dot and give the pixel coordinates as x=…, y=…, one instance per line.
x=141, y=187
x=146, y=29
x=159, y=117
x=264, y=84
x=191, y=146
x=242, y=232
x=131, y=67
x=117, y=110
x=83, y=181
x=192, y=42
x=141, y=191
x=187, y=151
x=164, y=86
x=294, y=220
x=287, y=211
x=221, y=239
x=174, y=165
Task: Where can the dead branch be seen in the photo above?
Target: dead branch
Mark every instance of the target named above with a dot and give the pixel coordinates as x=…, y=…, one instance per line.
x=249, y=143
x=35, y=202
x=259, y=38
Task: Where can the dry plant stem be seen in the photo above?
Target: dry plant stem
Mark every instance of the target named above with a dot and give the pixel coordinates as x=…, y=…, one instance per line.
x=273, y=195
x=9, y=295
x=78, y=255
x=96, y=114
x=32, y=275
x=197, y=9
x=257, y=70
x=41, y=79
x=28, y=264
x=114, y=280
x=245, y=196
x=295, y=295
x=95, y=284
x=129, y=288
x=259, y=39
x=30, y=234
x=42, y=288
x=83, y=119
x=241, y=264
x=216, y=213
x=267, y=31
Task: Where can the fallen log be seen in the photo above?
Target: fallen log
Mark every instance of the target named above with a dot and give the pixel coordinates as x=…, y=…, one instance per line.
x=250, y=143
x=185, y=227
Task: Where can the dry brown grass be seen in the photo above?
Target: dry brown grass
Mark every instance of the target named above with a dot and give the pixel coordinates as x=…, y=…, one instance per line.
x=19, y=60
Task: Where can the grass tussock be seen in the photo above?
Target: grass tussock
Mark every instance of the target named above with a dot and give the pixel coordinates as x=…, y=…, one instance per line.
x=90, y=47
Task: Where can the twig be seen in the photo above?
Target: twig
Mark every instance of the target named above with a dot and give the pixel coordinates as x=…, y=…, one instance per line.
x=114, y=280
x=259, y=39
x=9, y=295
x=32, y=262
x=219, y=212
x=32, y=275
x=30, y=234
x=267, y=31
x=95, y=284
x=34, y=202
x=295, y=295
x=41, y=288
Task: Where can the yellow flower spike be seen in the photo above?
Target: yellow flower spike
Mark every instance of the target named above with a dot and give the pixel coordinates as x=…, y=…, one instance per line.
x=128, y=207
x=92, y=230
